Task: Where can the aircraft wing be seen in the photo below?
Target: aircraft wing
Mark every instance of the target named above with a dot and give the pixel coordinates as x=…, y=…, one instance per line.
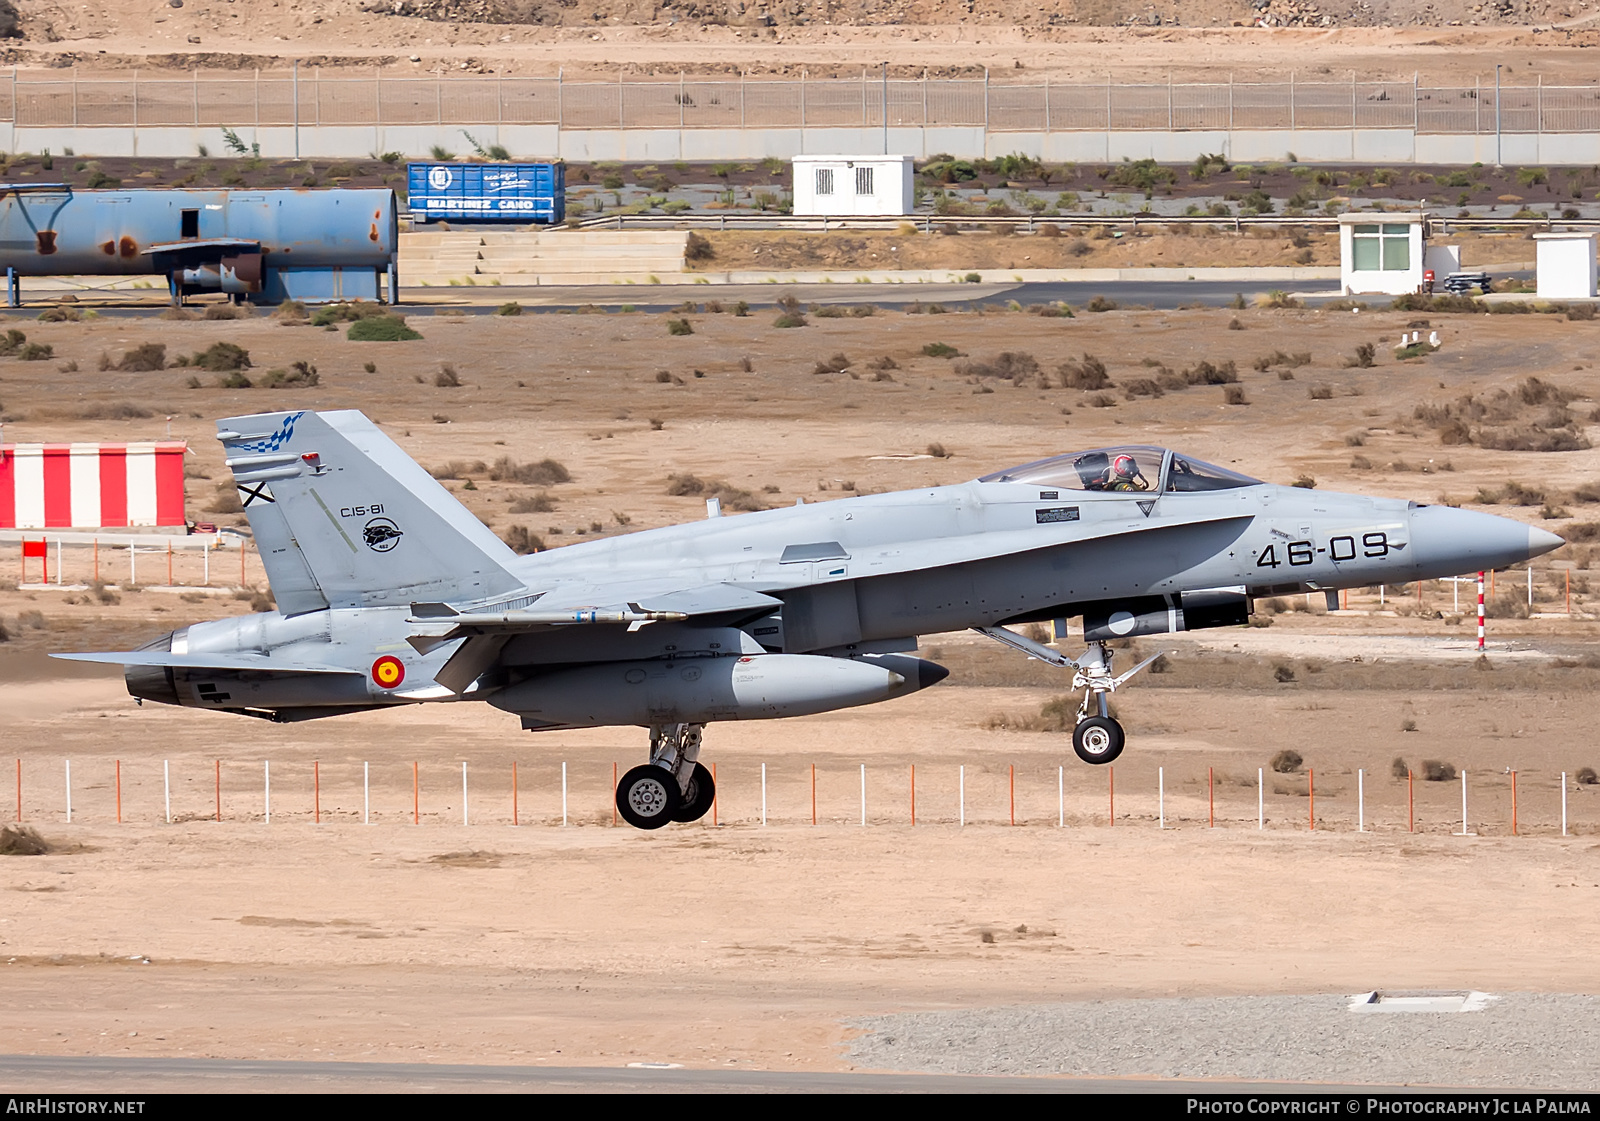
x=229, y=663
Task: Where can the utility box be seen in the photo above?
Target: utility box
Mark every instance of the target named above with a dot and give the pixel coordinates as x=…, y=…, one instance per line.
x=487, y=192
x=1566, y=265
x=852, y=186
x=1380, y=254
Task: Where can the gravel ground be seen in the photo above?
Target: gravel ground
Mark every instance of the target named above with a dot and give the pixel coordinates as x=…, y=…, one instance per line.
x=1521, y=1040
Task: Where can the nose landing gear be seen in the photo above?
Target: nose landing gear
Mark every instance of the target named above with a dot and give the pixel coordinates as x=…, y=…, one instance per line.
x=1097, y=738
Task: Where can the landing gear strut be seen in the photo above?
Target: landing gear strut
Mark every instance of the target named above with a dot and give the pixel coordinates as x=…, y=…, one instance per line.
x=673, y=786
x=1097, y=738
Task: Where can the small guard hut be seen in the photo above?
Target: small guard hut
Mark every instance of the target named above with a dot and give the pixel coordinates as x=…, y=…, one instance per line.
x=852, y=186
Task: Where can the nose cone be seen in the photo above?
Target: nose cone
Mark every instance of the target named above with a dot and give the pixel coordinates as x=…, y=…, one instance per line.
x=1448, y=542
x=930, y=673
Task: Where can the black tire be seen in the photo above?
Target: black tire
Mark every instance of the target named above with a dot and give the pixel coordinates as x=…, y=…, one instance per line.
x=698, y=798
x=1098, y=739
x=648, y=797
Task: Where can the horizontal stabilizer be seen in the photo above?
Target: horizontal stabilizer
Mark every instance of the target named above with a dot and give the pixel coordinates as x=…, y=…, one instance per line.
x=237, y=663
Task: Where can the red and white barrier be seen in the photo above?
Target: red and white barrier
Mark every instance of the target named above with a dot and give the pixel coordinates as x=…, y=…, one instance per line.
x=91, y=486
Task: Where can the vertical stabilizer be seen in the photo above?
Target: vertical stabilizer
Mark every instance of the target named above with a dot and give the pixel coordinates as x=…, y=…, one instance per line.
x=344, y=518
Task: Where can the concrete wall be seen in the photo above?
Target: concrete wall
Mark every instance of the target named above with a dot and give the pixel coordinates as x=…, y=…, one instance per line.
x=342, y=142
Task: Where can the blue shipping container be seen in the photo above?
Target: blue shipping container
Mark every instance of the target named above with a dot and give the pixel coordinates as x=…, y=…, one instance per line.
x=488, y=192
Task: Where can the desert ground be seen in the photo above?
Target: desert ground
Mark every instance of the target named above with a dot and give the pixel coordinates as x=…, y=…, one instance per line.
x=734, y=943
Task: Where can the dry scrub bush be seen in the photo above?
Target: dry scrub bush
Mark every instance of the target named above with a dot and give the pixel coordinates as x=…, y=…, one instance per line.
x=539, y=502
x=1398, y=768
x=1286, y=762
x=458, y=469
x=1090, y=374
x=1433, y=770
x=447, y=378
x=1586, y=776
x=1013, y=366
x=837, y=364
x=1531, y=416
x=546, y=472
x=731, y=497
x=521, y=540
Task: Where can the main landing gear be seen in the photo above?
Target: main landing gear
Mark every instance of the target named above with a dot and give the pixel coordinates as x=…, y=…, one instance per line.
x=1097, y=738
x=673, y=786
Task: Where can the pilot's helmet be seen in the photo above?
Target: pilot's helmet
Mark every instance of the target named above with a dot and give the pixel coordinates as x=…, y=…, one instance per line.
x=1123, y=467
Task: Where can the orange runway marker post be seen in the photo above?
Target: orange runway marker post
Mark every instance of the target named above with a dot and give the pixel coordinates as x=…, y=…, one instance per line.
x=416, y=798
x=1211, y=791
x=813, y=794
x=316, y=792
x=119, y=791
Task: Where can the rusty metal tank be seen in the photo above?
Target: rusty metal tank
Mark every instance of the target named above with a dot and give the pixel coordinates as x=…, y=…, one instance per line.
x=241, y=241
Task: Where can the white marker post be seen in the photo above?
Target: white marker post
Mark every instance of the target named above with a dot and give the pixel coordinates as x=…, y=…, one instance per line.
x=863, y=794
x=366, y=793
x=1464, y=832
x=463, y=792
x=1161, y=794
x=69, y=791
x=1563, y=803
x=266, y=789
x=1261, y=799
x=763, y=794
x=563, y=792
x=166, y=785
x=1361, y=801
x=963, y=818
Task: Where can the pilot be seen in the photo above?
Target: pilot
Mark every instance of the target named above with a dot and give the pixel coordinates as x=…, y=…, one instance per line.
x=1124, y=474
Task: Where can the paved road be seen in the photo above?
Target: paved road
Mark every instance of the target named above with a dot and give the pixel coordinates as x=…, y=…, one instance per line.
x=93, y=1074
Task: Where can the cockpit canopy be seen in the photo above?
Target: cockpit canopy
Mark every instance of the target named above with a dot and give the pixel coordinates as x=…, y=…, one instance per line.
x=1126, y=468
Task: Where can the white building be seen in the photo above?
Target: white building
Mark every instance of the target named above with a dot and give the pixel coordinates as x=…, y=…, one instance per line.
x=1566, y=265
x=1380, y=254
x=852, y=186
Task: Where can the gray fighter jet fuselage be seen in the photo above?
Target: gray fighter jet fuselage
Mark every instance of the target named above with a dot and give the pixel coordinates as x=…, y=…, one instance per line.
x=389, y=592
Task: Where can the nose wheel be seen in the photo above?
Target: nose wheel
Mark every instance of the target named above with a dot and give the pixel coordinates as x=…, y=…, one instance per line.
x=1098, y=739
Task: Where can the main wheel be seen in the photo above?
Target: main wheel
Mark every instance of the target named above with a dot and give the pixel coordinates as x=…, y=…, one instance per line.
x=647, y=797
x=1098, y=739
x=697, y=799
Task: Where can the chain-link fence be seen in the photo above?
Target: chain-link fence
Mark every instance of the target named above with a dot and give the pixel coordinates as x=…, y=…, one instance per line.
x=51, y=99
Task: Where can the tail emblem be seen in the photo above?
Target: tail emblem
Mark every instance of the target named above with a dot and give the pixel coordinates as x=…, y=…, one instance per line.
x=381, y=535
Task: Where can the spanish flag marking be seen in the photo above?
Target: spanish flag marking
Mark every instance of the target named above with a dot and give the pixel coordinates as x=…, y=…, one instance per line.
x=388, y=672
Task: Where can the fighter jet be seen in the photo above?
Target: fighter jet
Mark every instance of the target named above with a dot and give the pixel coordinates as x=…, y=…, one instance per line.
x=390, y=592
